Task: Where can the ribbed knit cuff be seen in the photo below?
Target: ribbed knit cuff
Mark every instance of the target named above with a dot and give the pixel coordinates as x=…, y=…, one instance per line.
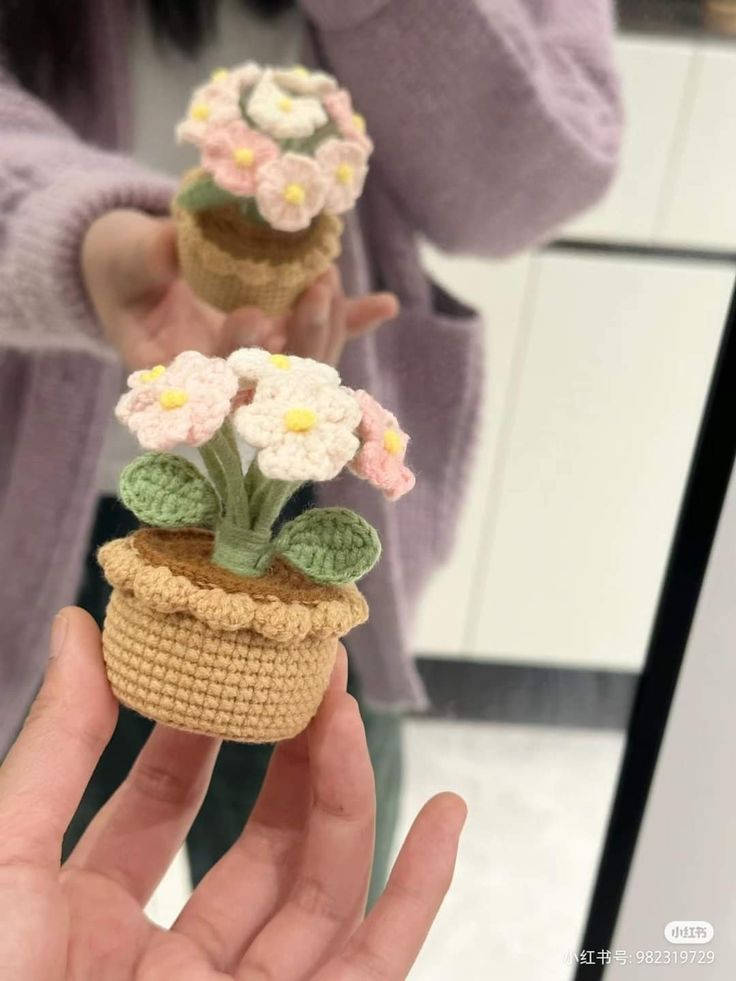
x=48, y=303
x=342, y=15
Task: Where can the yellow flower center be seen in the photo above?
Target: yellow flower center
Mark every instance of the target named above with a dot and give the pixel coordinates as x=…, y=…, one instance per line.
x=294, y=194
x=244, y=156
x=153, y=374
x=219, y=74
x=344, y=173
x=173, y=398
x=286, y=104
x=392, y=442
x=200, y=112
x=359, y=122
x=299, y=420
x=300, y=70
x=280, y=361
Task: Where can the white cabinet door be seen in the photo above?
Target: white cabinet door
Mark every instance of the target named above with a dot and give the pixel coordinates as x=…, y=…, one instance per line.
x=498, y=290
x=599, y=434
x=654, y=81
x=700, y=201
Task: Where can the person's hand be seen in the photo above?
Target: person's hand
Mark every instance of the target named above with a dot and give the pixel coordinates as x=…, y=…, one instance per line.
x=286, y=902
x=322, y=321
x=149, y=314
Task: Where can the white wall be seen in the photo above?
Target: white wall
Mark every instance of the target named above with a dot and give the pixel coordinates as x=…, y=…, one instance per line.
x=598, y=367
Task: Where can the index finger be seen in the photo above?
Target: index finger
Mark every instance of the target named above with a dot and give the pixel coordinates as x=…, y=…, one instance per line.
x=71, y=721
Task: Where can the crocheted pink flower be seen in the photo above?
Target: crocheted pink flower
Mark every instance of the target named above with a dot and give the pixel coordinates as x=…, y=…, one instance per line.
x=290, y=192
x=380, y=459
x=349, y=122
x=184, y=403
x=233, y=154
x=345, y=166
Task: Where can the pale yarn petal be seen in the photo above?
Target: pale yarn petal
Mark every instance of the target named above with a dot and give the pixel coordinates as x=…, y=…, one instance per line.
x=208, y=385
x=221, y=105
x=303, y=82
x=345, y=166
x=275, y=179
x=252, y=364
x=374, y=462
x=319, y=453
x=350, y=124
x=281, y=114
x=220, y=148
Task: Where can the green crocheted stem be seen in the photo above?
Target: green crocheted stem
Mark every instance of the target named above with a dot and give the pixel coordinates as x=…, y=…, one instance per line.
x=250, y=506
x=222, y=460
x=242, y=550
x=267, y=497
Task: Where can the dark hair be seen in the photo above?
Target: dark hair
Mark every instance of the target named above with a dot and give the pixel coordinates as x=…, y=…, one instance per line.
x=47, y=43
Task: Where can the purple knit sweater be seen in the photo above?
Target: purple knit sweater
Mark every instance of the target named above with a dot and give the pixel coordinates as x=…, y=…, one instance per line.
x=494, y=121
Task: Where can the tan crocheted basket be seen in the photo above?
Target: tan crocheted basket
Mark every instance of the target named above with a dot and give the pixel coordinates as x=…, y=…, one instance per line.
x=230, y=262
x=194, y=646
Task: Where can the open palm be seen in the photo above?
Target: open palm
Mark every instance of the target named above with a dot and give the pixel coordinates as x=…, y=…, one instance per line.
x=149, y=313
x=286, y=902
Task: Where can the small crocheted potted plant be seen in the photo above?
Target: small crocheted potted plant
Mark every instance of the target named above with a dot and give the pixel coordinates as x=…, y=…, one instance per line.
x=282, y=155
x=217, y=623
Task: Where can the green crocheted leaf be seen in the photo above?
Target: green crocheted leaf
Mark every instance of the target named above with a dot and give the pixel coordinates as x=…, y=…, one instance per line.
x=202, y=194
x=329, y=545
x=167, y=491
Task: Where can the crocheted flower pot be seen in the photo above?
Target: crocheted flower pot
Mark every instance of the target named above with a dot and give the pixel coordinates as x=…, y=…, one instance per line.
x=282, y=153
x=223, y=617
x=192, y=645
x=230, y=262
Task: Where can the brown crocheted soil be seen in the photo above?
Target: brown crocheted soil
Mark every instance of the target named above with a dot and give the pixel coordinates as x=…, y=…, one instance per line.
x=230, y=231
x=187, y=553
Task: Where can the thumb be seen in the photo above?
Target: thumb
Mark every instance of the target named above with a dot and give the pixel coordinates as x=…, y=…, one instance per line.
x=147, y=258
x=139, y=251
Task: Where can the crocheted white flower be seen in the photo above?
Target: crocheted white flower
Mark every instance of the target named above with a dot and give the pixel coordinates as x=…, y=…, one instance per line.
x=184, y=403
x=215, y=102
x=303, y=430
x=238, y=79
x=303, y=82
x=281, y=114
x=345, y=166
x=290, y=191
x=253, y=364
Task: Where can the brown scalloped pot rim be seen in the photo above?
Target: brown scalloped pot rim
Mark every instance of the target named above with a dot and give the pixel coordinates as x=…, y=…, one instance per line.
x=170, y=572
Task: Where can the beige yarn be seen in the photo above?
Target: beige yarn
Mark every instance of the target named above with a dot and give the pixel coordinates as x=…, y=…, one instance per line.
x=230, y=262
x=250, y=667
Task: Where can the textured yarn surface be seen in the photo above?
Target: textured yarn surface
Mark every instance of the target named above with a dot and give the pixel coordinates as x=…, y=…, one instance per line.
x=330, y=545
x=187, y=553
x=168, y=491
x=230, y=263
x=250, y=668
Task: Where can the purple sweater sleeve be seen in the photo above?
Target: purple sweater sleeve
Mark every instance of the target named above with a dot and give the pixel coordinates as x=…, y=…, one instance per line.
x=494, y=120
x=52, y=186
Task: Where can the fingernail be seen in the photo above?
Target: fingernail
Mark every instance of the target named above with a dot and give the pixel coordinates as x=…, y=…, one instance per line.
x=249, y=338
x=58, y=635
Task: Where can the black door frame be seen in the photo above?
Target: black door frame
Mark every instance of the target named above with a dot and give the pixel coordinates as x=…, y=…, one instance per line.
x=710, y=472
